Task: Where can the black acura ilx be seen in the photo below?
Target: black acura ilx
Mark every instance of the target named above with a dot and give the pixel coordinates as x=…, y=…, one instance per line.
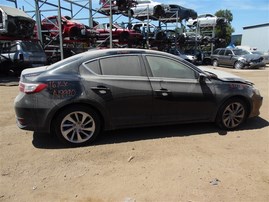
x=98, y=90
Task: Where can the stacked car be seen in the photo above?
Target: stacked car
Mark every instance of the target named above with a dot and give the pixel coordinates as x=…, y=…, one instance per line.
x=17, y=48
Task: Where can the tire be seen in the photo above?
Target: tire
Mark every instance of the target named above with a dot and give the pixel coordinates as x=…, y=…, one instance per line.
x=74, y=33
x=232, y=114
x=124, y=37
x=77, y=126
x=158, y=11
x=215, y=63
x=238, y=65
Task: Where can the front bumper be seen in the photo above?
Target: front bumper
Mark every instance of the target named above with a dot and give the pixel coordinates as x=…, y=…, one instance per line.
x=257, y=103
x=254, y=65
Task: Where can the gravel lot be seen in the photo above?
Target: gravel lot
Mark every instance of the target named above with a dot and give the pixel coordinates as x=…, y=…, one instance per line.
x=192, y=162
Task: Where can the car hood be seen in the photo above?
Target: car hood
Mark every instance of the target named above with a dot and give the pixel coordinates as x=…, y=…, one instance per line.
x=250, y=57
x=223, y=76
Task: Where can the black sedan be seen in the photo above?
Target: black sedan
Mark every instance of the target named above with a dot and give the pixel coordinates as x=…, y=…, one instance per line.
x=80, y=96
x=174, y=12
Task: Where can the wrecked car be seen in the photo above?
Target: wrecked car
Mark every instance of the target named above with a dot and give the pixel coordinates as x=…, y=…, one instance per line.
x=174, y=11
x=81, y=96
x=15, y=22
x=237, y=58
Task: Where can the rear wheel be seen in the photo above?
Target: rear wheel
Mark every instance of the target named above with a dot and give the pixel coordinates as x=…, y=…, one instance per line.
x=77, y=125
x=232, y=114
x=124, y=37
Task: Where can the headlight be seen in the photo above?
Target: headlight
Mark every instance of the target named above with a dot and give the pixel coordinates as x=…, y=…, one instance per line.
x=242, y=59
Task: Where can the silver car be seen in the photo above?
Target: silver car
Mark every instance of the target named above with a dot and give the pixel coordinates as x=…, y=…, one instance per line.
x=206, y=20
x=143, y=8
x=237, y=58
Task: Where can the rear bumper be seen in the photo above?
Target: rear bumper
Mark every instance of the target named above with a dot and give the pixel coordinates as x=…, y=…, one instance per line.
x=30, y=118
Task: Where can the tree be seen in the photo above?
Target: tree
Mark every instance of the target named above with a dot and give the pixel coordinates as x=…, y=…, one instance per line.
x=225, y=31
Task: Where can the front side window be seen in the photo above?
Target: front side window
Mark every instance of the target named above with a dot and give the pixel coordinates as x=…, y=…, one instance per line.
x=228, y=52
x=122, y=66
x=164, y=67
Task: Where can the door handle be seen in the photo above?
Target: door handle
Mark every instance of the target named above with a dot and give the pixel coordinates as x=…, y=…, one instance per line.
x=100, y=89
x=163, y=92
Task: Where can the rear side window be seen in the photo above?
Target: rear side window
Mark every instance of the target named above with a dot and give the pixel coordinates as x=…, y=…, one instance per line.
x=221, y=52
x=122, y=65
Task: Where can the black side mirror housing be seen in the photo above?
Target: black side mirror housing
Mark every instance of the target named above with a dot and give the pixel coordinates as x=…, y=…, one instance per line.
x=202, y=78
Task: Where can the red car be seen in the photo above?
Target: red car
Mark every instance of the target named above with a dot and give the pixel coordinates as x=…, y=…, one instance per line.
x=122, y=34
x=70, y=27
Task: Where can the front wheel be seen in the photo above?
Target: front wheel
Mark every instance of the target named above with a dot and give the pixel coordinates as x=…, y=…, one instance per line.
x=232, y=114
x=77, y=125
x=238, y=65
x=215, y=63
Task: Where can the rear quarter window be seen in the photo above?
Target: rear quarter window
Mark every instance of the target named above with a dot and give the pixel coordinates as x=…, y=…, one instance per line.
x=92, y=66
x=216, y=51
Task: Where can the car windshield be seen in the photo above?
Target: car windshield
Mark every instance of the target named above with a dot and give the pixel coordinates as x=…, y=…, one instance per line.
x=31, y=47
x=240, y=52
x=257, y=52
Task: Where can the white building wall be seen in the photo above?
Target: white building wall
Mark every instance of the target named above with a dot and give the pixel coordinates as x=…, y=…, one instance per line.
x=256, y=37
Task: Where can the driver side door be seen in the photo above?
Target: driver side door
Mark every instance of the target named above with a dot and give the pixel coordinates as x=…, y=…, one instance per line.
x=178, y=96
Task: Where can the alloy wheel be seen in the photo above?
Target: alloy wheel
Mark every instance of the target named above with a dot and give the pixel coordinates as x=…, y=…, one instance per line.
x=238, y=65
x=77, y=127
x=233, y=115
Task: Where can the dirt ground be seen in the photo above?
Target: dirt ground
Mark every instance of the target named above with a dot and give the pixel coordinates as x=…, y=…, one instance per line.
x=192, y=162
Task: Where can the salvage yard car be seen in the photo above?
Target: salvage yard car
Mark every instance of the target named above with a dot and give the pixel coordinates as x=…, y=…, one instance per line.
x=15, y=22
x=20, y=54
x=80, y=96
x=238, y=58
x=123, y=35
x=206, y=20
x=143, y=8
x=70, y=28
x=174, y=11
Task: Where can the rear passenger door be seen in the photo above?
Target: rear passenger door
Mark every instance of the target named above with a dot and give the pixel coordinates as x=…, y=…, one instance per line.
x=228, y=55
x=120, y=82
x=221, y=57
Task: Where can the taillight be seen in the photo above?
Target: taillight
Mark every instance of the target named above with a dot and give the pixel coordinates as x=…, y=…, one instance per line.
x=29, y=88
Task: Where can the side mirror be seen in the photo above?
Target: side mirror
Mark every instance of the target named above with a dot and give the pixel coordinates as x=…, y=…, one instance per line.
x=202, y=78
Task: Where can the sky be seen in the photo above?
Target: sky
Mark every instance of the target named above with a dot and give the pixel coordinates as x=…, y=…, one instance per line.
x=245, y=12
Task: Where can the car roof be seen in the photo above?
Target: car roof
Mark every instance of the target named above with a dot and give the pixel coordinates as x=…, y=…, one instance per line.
x=14, y=12
x=119, y=51
x=96, y=53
